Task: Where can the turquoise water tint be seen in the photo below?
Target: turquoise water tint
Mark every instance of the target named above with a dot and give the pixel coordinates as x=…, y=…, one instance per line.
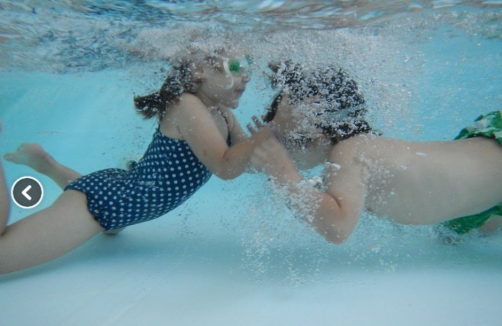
x=233, y=254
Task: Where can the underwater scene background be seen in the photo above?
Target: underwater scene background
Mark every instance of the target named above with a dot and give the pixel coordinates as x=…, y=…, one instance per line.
x=233, y=254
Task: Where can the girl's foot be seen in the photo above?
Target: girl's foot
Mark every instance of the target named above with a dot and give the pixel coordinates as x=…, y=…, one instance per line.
x=31, y=155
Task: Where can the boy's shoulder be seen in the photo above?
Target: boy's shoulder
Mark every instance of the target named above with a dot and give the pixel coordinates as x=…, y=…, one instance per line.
x=367, y=146
x=359, y=141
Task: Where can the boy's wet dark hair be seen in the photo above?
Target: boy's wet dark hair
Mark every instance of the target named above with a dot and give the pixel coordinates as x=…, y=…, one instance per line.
x=344, y=114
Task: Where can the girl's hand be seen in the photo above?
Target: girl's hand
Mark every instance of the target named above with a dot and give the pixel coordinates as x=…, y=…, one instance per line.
x=258, y=124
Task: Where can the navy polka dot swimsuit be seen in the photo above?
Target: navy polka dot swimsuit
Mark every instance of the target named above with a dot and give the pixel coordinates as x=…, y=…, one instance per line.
x=167, y=175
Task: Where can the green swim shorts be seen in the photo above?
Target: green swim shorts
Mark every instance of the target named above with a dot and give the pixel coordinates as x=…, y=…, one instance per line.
x=490, y=126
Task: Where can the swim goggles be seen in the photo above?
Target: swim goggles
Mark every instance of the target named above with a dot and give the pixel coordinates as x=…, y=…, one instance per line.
x=235, y=64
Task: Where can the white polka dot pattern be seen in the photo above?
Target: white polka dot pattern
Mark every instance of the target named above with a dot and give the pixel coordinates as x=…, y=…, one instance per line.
x=167, y=175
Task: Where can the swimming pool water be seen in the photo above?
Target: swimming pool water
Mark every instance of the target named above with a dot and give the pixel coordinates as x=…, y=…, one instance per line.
x=232, y=254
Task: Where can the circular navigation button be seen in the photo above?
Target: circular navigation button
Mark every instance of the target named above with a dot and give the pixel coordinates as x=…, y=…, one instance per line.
x=27, y=192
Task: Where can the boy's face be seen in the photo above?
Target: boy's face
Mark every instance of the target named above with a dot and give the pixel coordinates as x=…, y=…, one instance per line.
x=300, y=120
x=303, y=140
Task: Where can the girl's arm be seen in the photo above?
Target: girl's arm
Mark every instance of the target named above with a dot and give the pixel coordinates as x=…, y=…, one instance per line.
x=236, y=132
x=332, y=213
x=200, y=131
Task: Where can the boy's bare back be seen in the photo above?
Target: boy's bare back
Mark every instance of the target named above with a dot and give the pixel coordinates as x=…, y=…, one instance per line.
x=421, y=182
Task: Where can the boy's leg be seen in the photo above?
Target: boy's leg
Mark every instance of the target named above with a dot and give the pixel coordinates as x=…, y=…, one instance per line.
x=492, y=225
x=35, y=157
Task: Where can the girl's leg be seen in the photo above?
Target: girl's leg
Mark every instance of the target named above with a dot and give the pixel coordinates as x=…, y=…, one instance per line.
x=4, y=197
x=35, y=157
x=47, y=234
x=4, y=201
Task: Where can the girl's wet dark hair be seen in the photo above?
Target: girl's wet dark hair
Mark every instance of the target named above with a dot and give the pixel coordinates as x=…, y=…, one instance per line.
x=346, y=110
x=180, y=80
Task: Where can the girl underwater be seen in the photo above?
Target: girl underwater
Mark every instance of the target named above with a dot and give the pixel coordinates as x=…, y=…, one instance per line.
x=197, y=136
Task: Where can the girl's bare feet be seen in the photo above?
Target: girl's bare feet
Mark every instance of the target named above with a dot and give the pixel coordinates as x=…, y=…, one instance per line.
x=31, y=155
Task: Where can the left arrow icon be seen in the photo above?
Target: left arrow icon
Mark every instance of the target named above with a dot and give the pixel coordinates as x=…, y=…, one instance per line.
x=20, y=189
x=25, y=192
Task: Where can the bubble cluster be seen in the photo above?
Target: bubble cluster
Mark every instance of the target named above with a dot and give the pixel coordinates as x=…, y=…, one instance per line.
x=334, y=104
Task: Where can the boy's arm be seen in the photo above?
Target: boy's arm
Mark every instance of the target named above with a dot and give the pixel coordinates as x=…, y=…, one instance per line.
x=332, y=213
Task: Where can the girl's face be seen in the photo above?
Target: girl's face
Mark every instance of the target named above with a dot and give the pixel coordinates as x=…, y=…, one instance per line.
x=223, y=82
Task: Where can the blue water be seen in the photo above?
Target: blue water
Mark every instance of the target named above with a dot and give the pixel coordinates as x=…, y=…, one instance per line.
x=232, y=254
